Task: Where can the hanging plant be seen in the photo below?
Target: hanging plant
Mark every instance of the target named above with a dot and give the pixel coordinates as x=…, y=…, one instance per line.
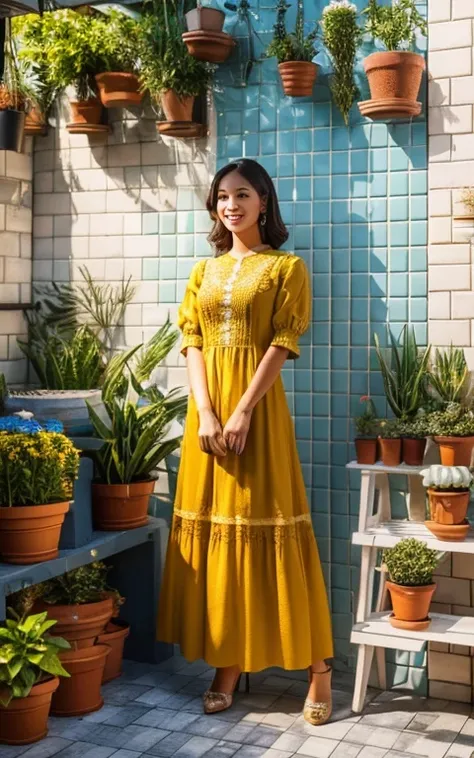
x=12, y=99
x=205, y=39
x=294, y=52
x=341, y=35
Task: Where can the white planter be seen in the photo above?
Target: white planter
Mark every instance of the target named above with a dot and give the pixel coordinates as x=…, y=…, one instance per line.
x=463, y=228
x=68, y=406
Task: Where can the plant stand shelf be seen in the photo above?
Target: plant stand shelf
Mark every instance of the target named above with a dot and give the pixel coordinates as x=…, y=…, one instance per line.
x=136, y=572
x=372, y=631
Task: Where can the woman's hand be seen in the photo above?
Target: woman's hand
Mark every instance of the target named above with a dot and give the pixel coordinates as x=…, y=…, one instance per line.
x=211, y=439
x=236, y=431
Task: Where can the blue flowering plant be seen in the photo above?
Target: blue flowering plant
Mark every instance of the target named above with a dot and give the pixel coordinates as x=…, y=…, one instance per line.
x=38, y=464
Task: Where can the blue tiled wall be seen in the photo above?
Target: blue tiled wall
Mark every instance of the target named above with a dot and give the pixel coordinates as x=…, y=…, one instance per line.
x=355, y=203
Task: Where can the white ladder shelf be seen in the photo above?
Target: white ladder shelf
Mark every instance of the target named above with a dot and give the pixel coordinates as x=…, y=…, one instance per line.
x=372, y=631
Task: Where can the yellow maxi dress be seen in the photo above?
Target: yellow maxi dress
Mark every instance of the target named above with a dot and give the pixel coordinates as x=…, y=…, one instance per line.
x=243, y=582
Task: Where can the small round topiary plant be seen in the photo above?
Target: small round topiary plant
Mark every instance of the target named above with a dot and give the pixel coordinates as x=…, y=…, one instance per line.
x=411, y=563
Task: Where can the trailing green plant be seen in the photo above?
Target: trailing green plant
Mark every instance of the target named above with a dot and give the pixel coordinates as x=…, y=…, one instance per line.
x=31, y=37
x=449, y=377
x=28, y=655
x=394, y=25
x=367, y=423
x=38, y=464
x=415, y=428
x=291, y=46
x=118, y=43
x=341, y=36
x=411, y=563
x=165, y=63
x=447, y=478
x=454, y=421
x=404, y=373
x=389, y=428
x=85, y=584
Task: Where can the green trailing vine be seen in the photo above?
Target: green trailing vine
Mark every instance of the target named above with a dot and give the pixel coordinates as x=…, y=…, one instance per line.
x=395, y=26
x=341, y=36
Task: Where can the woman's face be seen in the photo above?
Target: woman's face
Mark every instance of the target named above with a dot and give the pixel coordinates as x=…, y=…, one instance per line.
x=238, y=204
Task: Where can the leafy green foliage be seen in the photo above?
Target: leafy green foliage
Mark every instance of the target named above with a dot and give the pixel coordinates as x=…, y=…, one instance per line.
x=404, y=373
x=30, y=35
x=341, y=35
x=36, y=469
x=411, y=563
x=117, y=44
x=449, y=377
x=165, y=63
x=389, y=428
x=415, y=427
x=454, y=421
x=366, y=424
x=291, y=46
x=12, y=96
x=86, y=584
x=28, y=655
x=395, y=25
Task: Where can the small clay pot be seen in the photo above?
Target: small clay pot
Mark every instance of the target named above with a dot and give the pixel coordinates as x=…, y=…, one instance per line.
x=298, y=77
x=390, y=451
x=114, y=636
x=207, y=19
x=176, y=108
x=121, y=506
x=394, y=79
x=25, y=720
x=413, y=451
x=213, y=47
x=86, y=117
x=81, y=692
x=366, y=450
x=455, y=451
x=30, y=533
x=79, y=624
x=118, y=89
x=448, y=507
x=411, y=603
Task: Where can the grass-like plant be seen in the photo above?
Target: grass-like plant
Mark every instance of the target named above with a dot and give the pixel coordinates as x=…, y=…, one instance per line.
x=449, y=377
x=394, y=25
x=411, y=563
x=341, y=36
x=467, y=198
x=291, y=46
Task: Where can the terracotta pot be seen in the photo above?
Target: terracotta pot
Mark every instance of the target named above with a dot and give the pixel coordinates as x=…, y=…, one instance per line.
x=79, y=624
x=391, y=451
x=213, y=47
x=448, y=507
x=26, y=718
x=81, y=693
x=455, y=451
x=413, y=451
x=118, y=90
x=30, y=533
x=176, y=108
x=35, y=122
x=86, y=117
x=449, y=532
x=411, y=603
x=394, y=80
x=114, y=636
x=121, y=506
x=209, y=19
x=298, y=77
x=366, y=450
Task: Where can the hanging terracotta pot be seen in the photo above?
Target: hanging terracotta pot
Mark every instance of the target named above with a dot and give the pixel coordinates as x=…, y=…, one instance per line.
x=455, y=451
x=213, y=47
x=394, y=79
x=121, y=506
x=207, y=19
x=410, y=604
x=81, y=692
x=118, y=89
x=114, y=636
x=35, y=123
x=366, y=450
x=30, y=533
x=391, y=451
x=86, y=117
x=177, y=108
x=413, y=451
x=298, y=77
x=79, y=624
x=25, y=720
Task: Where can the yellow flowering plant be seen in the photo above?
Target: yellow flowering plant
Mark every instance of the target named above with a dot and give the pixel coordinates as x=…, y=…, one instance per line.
x=36, y=467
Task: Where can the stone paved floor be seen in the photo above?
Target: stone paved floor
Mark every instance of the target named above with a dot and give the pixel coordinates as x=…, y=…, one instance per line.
x=157, y=711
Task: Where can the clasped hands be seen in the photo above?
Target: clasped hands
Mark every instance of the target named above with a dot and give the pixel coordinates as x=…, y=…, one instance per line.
x=215, y=440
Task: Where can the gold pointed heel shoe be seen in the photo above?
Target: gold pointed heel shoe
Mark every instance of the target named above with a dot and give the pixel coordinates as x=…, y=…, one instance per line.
x=318, y=713
x=216, y=702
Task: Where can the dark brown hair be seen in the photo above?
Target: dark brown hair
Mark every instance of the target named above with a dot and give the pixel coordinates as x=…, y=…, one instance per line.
x=273, y=232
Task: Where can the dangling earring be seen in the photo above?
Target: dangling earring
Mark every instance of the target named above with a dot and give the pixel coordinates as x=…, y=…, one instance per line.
x=263, y=220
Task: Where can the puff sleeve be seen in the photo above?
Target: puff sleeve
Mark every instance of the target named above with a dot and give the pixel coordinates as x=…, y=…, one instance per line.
x=188, y=314
x=292, y=305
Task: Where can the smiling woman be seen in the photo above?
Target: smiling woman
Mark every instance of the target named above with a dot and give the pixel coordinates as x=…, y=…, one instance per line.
x=243, y=585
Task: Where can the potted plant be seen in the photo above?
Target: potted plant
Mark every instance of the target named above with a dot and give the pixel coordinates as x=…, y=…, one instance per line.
x=449, y=489
x=453, y=430
x=136, y=440
x=29, y=675
x=171, y=75
x=410, y=565
x=414, y=432
x=463, y=230
x=12, y=100
x=38, y=465
x=394, y=74
x=118, y=83
x=449, y=377
x=80, y=601
x=341, y=36
x=404, y=373
x=294, y=52
x=390, y=441
x=205, y=39
x=366, y=426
